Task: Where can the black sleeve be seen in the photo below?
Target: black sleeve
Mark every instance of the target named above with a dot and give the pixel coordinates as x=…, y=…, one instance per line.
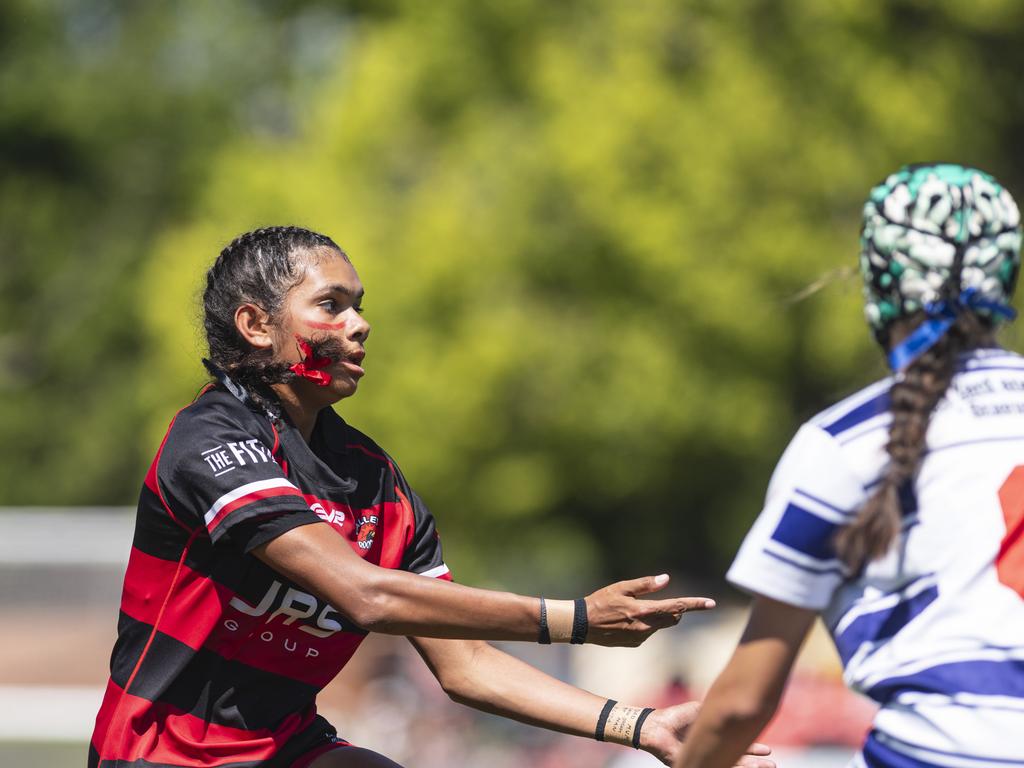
x=251, y=533
x=220, y=472
x=423, y=553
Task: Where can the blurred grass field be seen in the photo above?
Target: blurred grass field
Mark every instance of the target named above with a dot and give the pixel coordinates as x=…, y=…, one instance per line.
x=42, y=755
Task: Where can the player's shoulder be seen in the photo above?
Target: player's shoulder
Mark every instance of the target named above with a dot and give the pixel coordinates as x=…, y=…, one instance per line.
x=855, y=412
x=821, y=466
x=829, y=444
x=216, y=412
x=989, y=359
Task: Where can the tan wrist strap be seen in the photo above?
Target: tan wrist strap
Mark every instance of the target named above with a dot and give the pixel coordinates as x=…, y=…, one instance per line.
x=560, y=615
x=621, y=724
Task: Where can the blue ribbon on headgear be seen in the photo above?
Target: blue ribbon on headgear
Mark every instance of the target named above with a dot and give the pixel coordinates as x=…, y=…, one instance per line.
x=940, y=318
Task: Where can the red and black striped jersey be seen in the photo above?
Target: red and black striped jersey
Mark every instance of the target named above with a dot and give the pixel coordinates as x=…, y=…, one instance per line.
x=218, y=658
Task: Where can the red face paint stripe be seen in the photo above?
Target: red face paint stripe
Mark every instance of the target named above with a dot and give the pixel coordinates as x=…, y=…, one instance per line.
x=325, y=326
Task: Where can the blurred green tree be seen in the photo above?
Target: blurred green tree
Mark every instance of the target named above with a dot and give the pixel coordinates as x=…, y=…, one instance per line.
x=109, y=114
x=580, y=226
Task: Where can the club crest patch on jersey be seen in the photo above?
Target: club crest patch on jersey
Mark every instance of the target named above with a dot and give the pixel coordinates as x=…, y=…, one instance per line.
x=366, y=531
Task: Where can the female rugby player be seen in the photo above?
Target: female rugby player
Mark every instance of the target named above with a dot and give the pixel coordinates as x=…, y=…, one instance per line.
x=271, y=537
x=898, y=514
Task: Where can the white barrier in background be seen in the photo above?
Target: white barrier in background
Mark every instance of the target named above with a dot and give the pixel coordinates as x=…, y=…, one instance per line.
x=77, y=540
x=76, y=536
x=48, y=713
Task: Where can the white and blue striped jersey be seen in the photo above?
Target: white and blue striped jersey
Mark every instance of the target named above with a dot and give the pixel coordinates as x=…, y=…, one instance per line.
x=933, y=631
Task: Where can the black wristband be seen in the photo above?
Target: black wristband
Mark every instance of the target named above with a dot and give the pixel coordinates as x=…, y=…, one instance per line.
x=543, y=633
x=580, y=625
x=639, y=725
x=602, y=720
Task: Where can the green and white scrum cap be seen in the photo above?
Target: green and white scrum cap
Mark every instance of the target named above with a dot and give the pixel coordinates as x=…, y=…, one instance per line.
x=938, y=238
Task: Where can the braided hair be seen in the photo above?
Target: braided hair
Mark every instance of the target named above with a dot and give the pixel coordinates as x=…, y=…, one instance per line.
x=257, y=267
x=940, y=254
x=912, y=401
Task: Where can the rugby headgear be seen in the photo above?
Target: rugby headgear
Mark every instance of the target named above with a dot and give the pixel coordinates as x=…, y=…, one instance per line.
x=938, y=238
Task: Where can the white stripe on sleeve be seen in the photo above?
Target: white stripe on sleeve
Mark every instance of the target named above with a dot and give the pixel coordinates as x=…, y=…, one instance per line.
x=259, y=485
x=438, y=570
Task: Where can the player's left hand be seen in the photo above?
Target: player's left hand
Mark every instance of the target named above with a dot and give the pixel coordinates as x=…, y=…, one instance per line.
x=665, y=729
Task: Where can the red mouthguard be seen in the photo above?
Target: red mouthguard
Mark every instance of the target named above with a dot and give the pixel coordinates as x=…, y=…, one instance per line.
x=310, y=367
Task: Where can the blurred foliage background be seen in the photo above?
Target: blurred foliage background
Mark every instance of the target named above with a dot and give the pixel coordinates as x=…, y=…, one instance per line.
x=581, y=226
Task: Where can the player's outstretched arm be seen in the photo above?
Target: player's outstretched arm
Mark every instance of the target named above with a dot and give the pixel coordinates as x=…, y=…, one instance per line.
x=746, y=694
x=480, y=676
x=399, y=603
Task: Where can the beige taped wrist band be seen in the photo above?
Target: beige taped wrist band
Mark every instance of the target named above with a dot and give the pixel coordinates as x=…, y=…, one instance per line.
x=560, y=615
x=621, y=724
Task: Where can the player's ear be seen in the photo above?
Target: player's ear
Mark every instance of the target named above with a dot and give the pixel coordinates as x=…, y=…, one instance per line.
x=254, y=326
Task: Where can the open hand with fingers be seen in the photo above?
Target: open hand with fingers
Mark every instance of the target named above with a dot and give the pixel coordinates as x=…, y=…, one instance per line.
x=665, y=730
x=617, y=617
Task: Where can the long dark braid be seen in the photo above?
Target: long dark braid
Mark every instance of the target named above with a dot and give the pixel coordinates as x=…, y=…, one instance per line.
x=257, y=267
x=912, y=402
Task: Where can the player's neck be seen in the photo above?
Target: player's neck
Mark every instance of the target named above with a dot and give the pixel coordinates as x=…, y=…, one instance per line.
x=301, y=414
x=901, y=329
